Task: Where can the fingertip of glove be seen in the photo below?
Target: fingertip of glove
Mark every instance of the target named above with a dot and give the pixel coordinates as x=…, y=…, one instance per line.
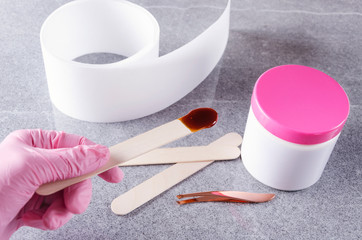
x=55, y=221
x=56, y=215
x=113, y=175
x=119, y=176
x=52, y=225
x=78, y=196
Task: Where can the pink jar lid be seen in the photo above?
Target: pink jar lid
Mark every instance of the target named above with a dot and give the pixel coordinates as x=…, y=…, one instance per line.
x=300, y=104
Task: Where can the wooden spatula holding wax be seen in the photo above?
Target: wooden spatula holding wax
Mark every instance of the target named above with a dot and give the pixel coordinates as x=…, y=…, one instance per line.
x=194, y=121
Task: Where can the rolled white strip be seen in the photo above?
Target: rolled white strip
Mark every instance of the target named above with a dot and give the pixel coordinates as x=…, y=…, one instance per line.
x=138, y=86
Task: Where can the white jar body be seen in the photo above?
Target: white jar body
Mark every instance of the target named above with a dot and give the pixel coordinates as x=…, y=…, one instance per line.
x=281, y=164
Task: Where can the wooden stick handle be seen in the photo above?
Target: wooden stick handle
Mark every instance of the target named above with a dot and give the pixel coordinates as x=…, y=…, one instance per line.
x=185, y=154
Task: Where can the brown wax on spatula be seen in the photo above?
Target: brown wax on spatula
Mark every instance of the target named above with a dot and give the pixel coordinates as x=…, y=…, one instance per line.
x=200, y=118
x=196, y=120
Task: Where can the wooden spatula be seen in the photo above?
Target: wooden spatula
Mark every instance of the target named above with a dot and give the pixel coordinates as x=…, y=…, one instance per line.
x=194, y=121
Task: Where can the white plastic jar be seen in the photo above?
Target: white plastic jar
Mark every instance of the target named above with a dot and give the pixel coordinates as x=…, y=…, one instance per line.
x=295, y=119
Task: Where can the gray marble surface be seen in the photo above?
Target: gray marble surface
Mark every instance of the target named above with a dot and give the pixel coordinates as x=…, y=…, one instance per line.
x=326, y=35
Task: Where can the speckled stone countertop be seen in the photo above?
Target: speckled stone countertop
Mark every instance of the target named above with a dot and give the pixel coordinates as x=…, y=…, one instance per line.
x=326, y=35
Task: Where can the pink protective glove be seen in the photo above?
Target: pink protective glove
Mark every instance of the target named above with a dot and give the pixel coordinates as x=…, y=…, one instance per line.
x=30, y=158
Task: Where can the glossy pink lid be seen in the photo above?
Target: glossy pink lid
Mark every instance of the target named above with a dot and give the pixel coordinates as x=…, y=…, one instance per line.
x=300, y=104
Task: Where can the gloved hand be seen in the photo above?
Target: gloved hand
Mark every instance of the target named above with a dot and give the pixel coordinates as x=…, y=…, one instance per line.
x=30, y=158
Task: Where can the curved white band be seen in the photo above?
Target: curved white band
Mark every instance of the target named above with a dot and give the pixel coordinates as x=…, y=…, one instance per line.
x=138, y=86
